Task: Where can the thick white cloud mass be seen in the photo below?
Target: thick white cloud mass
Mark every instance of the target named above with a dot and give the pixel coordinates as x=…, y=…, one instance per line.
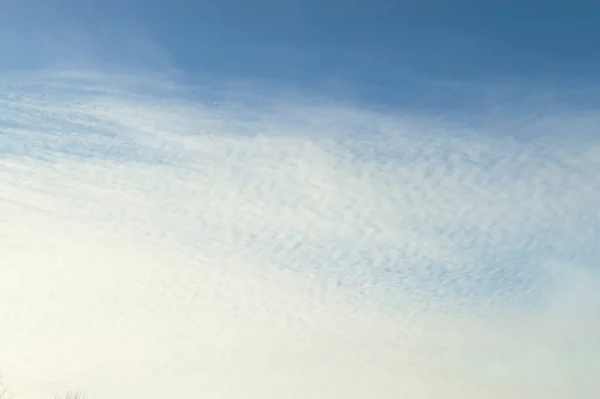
x=156, y=244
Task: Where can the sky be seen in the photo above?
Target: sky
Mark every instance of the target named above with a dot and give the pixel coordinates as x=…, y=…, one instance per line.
x=303, y=200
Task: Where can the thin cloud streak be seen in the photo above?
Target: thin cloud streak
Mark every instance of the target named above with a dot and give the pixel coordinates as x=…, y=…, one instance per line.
x=159, y=243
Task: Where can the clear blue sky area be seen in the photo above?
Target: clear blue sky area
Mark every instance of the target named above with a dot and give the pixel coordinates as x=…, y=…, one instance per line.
x=386, y=47
x=372, y=41
x=390, y=51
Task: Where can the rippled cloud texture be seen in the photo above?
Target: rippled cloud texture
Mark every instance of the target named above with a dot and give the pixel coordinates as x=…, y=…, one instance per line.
x=155, y=243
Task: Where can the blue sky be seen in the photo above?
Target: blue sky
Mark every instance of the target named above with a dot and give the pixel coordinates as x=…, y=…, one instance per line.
x=380, y=42
x=427, y=54
x=306, y=198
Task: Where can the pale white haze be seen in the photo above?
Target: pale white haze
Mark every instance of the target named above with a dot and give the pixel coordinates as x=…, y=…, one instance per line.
x=164, y=241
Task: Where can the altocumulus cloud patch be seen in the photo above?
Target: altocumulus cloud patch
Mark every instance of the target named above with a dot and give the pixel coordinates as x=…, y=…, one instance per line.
x=159, y=245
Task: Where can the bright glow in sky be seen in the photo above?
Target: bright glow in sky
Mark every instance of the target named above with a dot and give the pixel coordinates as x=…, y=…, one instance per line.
x=173, y=226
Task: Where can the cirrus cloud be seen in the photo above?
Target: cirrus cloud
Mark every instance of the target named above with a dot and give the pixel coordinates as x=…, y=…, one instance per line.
x=157, y=242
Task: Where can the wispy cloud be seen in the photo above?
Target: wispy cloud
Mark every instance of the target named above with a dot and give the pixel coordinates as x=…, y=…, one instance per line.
x=211, y=243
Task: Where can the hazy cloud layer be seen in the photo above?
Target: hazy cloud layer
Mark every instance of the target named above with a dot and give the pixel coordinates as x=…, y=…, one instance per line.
x=159, y=241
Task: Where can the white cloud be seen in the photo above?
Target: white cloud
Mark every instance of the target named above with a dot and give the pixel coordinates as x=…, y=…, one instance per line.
x=160, y=244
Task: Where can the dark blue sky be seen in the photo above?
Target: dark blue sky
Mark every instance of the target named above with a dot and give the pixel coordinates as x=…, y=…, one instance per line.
x=386, y=45
x=388, y=51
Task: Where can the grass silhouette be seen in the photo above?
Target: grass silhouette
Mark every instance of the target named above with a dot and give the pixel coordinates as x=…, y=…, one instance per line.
x=4, y=393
